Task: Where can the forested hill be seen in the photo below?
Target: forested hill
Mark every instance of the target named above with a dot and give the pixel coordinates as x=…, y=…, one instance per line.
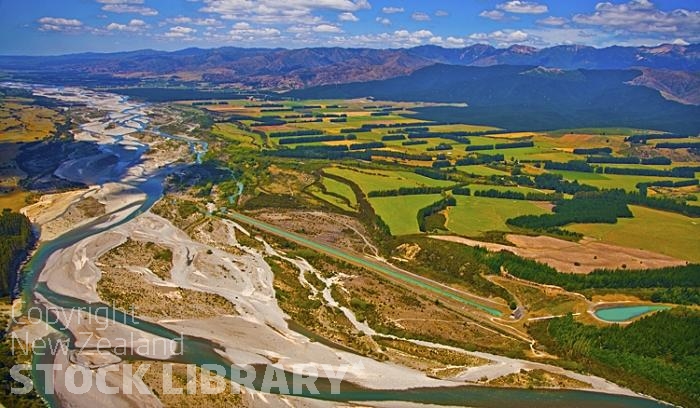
x=527, y=97
x=15, y=239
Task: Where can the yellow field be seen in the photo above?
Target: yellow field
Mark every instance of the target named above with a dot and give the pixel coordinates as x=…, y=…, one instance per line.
x=25, y=123
x=658, y=231
x=14, y=201
x=231, y=133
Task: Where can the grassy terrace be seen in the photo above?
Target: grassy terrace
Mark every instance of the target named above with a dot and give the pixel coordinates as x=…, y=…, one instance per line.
x=670, y=234
x=372, y=180
x=473, y=216
x=341, y=189
x=399, y=213
x=609, y=180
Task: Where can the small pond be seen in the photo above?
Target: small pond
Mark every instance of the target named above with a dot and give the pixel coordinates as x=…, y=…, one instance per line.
x=625, y=313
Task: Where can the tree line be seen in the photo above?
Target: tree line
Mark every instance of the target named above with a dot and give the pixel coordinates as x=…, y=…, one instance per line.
x=603, y=207
x=498, y=146
x=17, y=238
x=440, y=147
x=684, y=145
x=394, y=136
x=407, y=191
x=643, y=138
x=480, y=158
x=433, y=174
x=657, y=354
x=414, y=142
x=592, y=150
x=660, y=160
x=294, y=133
x=310, y=139
x=680, y=172
x=433, y=208
x=556, y=182
x=517, y=195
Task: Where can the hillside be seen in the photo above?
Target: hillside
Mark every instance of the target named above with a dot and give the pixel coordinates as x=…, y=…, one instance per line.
x=527, y=97
x=680, y=86
x=297, y=68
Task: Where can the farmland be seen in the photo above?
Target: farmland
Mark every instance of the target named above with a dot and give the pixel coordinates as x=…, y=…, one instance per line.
x=474, y=216
x=400, y=212
x=20, y=121
x=666, y=233
x=372, y=180
x=574, y=200
x=393, y=146
x=428, y=230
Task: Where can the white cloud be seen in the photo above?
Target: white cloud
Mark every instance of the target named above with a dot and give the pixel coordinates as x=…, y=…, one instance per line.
x=383, y=21
x=454, y=42
x=327, y=28
x=126, y=8
x=178, y=20
x=209, y=22
x=399, y=38
x=553, y=21
x=241, y=26
x=501, y=36
x=135, y=25
x=276, y=11
x=492, y=15
x=59, y=24
x=442, y=13
x=522, y=7
x=180, y=32
x=243, y=31
x=392, y=10
x=348, y=16
x=420, y=16
x=642, y=16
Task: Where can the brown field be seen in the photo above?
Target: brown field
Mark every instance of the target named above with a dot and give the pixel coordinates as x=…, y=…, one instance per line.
x=575, y=257
x=25, y=123
x=14, y=200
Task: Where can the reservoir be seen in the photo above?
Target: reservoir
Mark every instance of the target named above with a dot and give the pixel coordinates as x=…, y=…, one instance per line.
x=626, y=313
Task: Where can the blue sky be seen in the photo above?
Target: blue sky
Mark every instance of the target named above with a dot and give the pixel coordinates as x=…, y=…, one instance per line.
x=31, y=27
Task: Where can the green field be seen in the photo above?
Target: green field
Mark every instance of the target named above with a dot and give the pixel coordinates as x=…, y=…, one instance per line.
x=658, y=231
x=231, y=133
x=400, y=213
x=331, y=199
x=474, y=216
x=481, y=170
x=342, y=189
x=524, y=190
x=609, y=181
x=372, y=180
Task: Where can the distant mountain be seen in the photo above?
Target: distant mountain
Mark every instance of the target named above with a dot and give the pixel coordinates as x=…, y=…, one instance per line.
x=299, y=68
x=683, y=87
x=667, y=56
x=527, y=97
x=260, y=68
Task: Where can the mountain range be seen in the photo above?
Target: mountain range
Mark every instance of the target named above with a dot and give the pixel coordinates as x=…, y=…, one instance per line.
x=285, y=69
x=520, y=97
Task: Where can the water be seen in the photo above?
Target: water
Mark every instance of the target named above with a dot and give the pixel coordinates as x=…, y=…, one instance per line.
x=626, y=313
